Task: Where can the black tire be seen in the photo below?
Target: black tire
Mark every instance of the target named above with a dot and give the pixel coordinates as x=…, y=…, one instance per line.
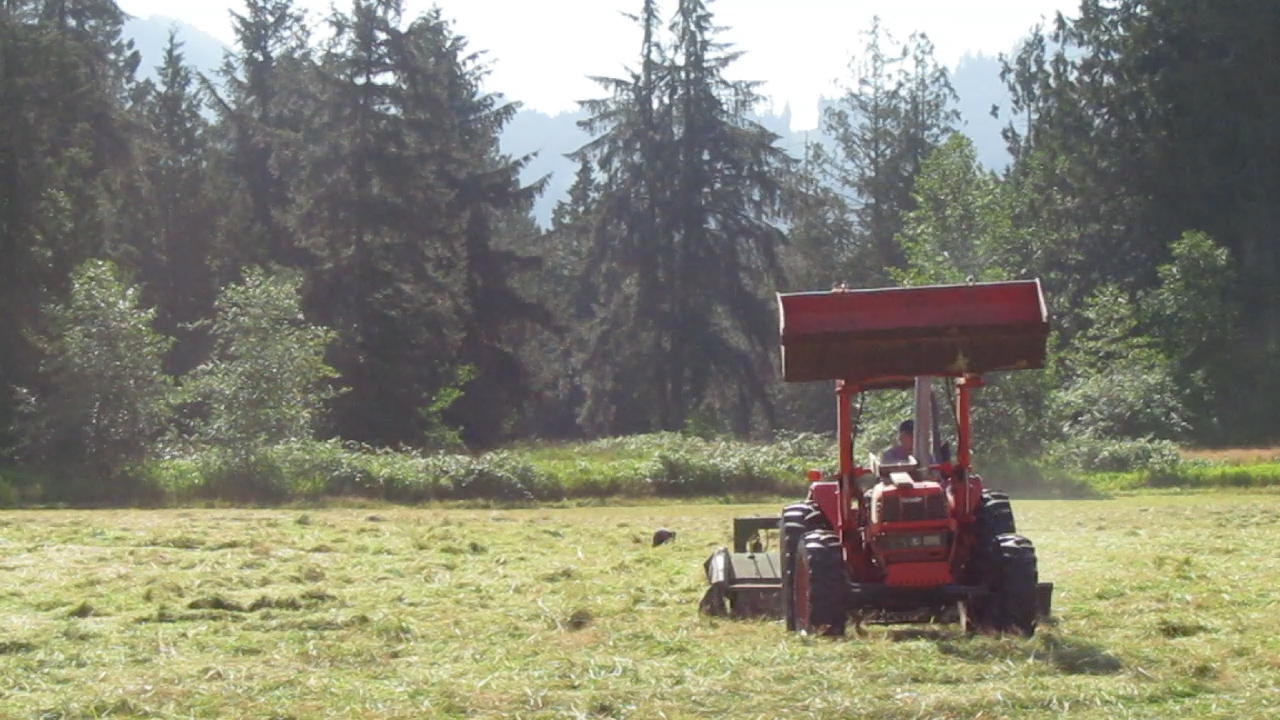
x=827, y=579
x=792, y=535
x=1013, y=605
x=805, y=514
x=798, y=520
x=993, y=518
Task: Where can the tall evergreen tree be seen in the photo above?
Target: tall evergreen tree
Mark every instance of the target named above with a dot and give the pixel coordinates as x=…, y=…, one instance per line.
x=404, y=189
x=884, y=127
x=371, y=215
x=558, y=286
x=262, y=108
x=928, y=113
x=487, y=200
x=64, y=72
x=820, y=226
x=632, y=150
x=177, y=244
x=685, y=249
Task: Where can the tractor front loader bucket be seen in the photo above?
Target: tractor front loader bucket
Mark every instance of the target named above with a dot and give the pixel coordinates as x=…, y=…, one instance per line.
x=868, y=336
x=746, y=582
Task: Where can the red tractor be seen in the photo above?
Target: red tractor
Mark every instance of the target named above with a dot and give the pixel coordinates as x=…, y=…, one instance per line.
x=915, y=541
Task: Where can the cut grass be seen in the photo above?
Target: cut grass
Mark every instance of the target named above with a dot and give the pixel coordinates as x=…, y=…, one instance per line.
x=1234, y=456
x=1164, y=608
x=1190, y=476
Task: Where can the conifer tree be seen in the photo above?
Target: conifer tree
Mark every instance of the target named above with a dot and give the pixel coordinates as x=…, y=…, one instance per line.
x=404, y=188
x=684, y=247
x=884, y=126
x=261, y=108
x=176, y=245
x=65, y=72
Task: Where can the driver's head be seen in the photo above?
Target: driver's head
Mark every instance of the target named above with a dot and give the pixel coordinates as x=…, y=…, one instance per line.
x=907, y=434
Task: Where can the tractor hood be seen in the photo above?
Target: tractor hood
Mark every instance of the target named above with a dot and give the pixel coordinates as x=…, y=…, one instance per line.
x=885, y=337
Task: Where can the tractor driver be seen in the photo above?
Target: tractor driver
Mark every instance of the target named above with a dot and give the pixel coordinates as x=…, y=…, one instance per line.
x=902, y=452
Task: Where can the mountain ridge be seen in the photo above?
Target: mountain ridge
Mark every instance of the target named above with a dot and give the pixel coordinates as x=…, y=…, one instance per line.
x=548, y=137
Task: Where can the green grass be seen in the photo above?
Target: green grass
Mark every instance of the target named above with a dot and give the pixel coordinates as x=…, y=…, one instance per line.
x=643, y=467
x=1190, y=475
x=629, y=469
x=1165, y=607
x=648, y=466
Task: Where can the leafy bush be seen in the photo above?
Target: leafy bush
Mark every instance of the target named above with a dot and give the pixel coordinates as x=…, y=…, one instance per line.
x=1195, y=322
x=1115, y=455
x=103, y=397
x=266, y=381
x=8, y=495
x=662, y=465
x=1206, y=475
x=666, y=465
x=1121, y=385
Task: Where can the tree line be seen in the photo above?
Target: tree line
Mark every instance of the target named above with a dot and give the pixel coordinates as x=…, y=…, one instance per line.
x=324, y=238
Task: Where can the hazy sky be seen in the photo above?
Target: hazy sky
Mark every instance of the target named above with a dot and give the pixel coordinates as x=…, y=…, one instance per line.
x=541, y=51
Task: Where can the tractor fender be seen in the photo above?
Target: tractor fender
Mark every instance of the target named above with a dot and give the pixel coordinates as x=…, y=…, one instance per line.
x=827, y=496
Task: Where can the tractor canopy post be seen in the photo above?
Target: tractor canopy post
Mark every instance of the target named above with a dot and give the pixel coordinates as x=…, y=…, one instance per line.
x=844, y=428
x=923, y=426
x=964, y=389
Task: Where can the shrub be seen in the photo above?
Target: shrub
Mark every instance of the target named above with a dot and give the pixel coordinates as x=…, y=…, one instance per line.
x=267, y=379
x=103, y=398
x=8, y=496
x=1115, y=455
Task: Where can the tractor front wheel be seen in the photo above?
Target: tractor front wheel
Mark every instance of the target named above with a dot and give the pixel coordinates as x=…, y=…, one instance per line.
x=798, y=520
x=822, y=585
x=1012, y=605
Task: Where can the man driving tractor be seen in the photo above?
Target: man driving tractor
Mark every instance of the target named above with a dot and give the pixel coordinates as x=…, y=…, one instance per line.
x=902, y=452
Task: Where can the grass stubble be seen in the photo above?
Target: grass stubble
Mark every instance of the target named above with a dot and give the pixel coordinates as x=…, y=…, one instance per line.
x=1165, y=607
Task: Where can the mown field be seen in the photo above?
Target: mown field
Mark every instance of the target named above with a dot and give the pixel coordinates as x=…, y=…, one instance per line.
x=1166, y=607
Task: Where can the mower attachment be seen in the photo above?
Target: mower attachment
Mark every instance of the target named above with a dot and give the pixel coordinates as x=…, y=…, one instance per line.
x=949, y=330
x=748, y=581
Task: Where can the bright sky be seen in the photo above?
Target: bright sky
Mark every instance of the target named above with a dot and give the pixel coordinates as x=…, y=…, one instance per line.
x=542, y=51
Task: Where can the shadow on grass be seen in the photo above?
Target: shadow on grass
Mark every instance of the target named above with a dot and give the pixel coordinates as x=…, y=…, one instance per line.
x=933, y=635
x=1070, y=657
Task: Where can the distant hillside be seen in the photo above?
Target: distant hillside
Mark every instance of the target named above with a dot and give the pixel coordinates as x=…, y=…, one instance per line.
x=551, y=137
x=976, y=80
x=202, y=50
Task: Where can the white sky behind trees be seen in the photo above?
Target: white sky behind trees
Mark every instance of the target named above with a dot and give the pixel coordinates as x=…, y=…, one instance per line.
x=541, y=52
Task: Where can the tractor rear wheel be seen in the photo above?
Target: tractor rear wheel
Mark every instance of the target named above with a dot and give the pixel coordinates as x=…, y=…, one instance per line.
x=1012, y=605
x=822, y=585
x=797, y=521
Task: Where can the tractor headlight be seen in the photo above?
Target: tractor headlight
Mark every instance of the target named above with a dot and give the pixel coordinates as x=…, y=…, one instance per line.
x=913, y=541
